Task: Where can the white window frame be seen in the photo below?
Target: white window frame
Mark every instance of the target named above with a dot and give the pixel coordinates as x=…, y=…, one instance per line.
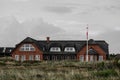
x=55, y=49
x=91, y=58
x=69, y=49
x=4, y=49
x=31, y=57
x=37, y=57
x=27, y=47
x=100, y=58
x=17, y=57
x=82, y=58
x=23, y=57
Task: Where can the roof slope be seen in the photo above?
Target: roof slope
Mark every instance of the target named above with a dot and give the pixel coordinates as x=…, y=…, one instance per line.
x=78, y=44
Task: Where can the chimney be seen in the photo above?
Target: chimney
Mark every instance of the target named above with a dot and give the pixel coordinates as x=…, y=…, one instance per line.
x=48, y=39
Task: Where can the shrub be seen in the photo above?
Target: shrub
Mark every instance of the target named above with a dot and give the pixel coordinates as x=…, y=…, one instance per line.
x=5, y=59
x=106, y=73
x=27, y=63
x=101, y=66
x=117, y=62
x=17, y=63
x=2, y=63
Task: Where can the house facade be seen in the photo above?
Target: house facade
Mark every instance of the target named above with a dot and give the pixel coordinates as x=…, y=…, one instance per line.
x=31, y=49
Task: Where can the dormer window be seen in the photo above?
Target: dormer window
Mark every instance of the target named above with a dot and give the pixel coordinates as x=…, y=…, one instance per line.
x=90, y=49
x=43, y=49
x=55, y=49
x=69, y=49
x=4, y=49
x=27, y=47
x=10, y=50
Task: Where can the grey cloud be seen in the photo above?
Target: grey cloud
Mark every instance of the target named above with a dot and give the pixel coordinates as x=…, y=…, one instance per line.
x=112, y=37
x=21, y=0
x=40, y=27
x=58, y=9
x=13, y=32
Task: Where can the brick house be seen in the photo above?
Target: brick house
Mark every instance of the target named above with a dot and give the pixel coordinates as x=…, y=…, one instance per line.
x=28, y=49
x=31, y=49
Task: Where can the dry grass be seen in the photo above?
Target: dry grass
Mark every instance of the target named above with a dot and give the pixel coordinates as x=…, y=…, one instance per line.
x=58, y=70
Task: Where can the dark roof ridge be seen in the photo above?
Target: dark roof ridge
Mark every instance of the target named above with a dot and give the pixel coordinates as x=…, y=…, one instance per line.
x=72, y=40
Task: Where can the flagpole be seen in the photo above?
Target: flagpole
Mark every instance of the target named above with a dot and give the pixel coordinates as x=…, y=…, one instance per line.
x=87, y=44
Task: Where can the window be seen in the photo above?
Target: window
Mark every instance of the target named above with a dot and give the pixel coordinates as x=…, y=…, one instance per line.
x=27, y=47
x=4, y=49
x=10, y=50
x=69, y=49
x=37, y=57
x=91, y=58
x=23, y=58
x=31, y=57
x=100, y=58
x=17, y=57
x=55, y=49
x=81, y=58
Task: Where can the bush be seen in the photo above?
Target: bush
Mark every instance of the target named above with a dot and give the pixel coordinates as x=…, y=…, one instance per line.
x=28, y=62
x=117, y=62
x=5, y=59
x=101, y=66
x=2, y=63
x=106, y=73
x=17, y=63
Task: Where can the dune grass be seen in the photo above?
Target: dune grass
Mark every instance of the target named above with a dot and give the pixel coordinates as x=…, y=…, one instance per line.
x=58, y=70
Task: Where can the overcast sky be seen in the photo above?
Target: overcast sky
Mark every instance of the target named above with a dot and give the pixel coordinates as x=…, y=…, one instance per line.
x=61, y=20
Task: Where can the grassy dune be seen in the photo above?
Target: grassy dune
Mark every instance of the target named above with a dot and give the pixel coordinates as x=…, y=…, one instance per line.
x=58, y=70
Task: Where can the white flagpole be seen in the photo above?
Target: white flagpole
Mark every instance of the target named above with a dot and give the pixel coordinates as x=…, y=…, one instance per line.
x=87, y=44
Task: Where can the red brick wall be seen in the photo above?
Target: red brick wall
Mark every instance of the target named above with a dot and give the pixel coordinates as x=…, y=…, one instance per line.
x=95, y=47
x=27, y=53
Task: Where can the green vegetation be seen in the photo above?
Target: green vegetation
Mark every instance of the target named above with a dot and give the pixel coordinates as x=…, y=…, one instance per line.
x=106, y=73
x=58, y=70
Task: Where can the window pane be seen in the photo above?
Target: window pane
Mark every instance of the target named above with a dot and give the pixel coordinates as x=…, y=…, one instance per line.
x=32, y=49
x=23, y=58
x=100, y=58
x=17, y=57
x=31, y=57
x=27, y=47
x=69, y=49
x=91, y=57
x=81, y=58
x=55, y=49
